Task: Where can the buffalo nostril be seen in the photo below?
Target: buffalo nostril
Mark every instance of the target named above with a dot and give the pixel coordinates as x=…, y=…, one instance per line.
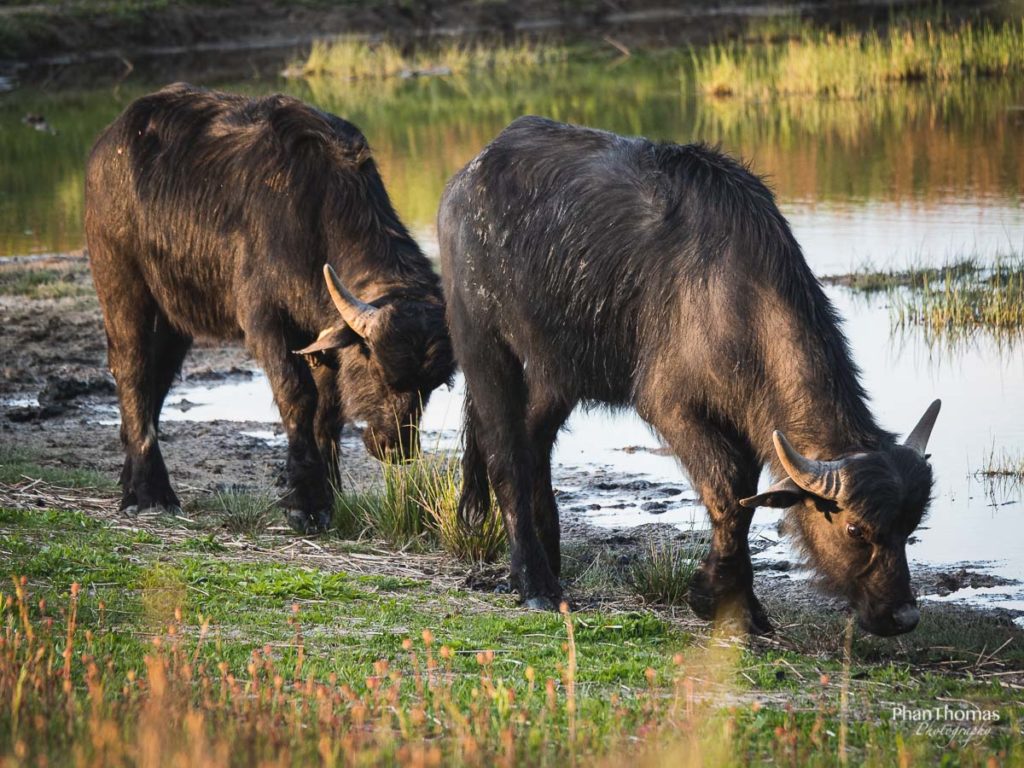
x=906, y=616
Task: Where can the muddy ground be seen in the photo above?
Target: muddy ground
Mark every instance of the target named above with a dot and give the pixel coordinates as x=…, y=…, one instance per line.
x=58, y=406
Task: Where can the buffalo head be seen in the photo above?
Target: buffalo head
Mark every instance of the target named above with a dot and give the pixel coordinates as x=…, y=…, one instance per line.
x=391, y=355
x=853, y=516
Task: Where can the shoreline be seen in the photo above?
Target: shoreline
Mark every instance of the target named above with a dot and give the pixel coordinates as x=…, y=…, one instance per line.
x=36, y=39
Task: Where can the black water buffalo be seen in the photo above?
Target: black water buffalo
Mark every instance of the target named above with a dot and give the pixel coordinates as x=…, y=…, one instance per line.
x=583, y=266
x=220, y=216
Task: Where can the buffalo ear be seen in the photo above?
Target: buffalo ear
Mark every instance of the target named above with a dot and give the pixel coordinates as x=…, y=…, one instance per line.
x=782, y=495
x=330, y=338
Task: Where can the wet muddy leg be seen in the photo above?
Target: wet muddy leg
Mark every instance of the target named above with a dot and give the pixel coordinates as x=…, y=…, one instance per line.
x=494, y=378
x=723, y=469
x=308, y=500
x=545, y=416
x=328, y=421
x=134, y=338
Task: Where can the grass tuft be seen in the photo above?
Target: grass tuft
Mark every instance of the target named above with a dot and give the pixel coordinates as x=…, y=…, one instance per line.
x=440, y=500
x=960, y=303
x=1003, y=468
x=662, y=574
x=952, y=301
x=415, y=507
x=249, y=514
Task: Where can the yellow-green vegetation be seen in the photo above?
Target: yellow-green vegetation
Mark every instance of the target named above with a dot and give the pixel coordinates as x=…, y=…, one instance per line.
x=416, y=506
x=957, y=303
x=663, y=573
x=957, y=299
x=853, y=64
x=119, y=649
x=361, y=60
x=41, y=283
x=1004, y=465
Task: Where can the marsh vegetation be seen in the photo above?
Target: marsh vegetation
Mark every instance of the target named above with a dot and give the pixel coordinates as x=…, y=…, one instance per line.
x=361, y=60
x=854, y=63
x=965, y=296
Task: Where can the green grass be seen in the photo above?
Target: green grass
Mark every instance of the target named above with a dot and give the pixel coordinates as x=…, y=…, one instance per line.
x=853, y=64
x=252, y=655
x=17, y=465
x=246, y=513
x=415, y=507
x=953, y=301
x=41, y=284
x=663, y=573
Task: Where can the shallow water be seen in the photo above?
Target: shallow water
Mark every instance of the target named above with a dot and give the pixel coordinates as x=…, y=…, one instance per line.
x=914, y=176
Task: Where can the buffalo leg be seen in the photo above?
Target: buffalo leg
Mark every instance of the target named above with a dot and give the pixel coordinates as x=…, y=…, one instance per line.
x=475, y=499
x=133, y=341
x=498, y=394
x=328, y=421
x=723, y=470
x=545, y=416
x=307, y=502
x=169, y=350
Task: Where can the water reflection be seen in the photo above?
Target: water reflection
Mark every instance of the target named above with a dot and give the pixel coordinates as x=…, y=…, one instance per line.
x=945, y=155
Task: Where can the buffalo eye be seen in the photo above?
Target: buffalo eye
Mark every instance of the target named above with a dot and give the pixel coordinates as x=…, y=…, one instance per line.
x=855, y=531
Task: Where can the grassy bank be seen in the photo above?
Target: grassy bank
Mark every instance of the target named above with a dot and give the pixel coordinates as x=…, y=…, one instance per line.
x=853, y=64
x=155, y=642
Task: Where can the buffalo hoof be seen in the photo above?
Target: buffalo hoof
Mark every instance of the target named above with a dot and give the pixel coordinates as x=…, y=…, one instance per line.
x=741, y=613
x=134, y=510
x=758, y=622
x=149, y=496
x=307, y=523
x=540, y=603
x=700, y=596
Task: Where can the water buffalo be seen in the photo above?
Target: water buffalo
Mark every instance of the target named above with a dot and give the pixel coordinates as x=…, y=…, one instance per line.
x=220, y=216
x=581, y=266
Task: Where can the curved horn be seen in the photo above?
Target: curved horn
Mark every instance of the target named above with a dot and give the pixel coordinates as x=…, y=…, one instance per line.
x=358, y=315
x=822, y=478
x=918, y=437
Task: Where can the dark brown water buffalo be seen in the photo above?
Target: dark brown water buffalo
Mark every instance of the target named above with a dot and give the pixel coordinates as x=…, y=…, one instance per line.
x=583, y=266
x=214, y=215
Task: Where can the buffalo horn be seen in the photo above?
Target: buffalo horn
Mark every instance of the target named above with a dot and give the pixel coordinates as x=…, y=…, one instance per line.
x=358, y=315
x=918, y=438
x=822, y=478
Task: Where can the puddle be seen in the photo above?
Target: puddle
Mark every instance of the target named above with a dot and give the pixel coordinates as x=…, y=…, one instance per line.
x=247, y=400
